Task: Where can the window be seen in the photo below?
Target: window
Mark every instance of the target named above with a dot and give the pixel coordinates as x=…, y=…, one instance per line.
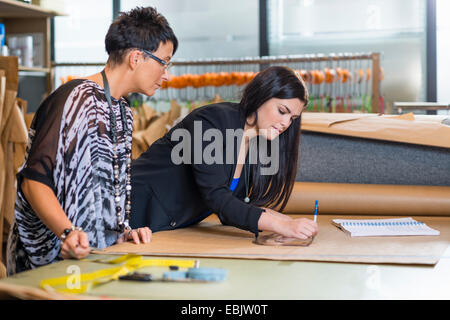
x=80, y=36
x=395, y=28
x=443, y=50
x=207, y=29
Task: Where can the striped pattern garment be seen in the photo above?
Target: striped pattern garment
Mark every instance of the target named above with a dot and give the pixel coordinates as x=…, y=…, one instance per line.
x=70, y=150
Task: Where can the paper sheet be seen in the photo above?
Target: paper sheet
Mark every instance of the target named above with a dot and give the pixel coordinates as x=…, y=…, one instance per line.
x=405, y=128
x=211, y=239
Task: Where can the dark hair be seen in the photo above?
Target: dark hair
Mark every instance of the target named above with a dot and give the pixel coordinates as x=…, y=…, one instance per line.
x=141, y=28
x=282, y=83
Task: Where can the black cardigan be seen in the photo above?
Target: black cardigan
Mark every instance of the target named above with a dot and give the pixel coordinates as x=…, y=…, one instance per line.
x=165, y=195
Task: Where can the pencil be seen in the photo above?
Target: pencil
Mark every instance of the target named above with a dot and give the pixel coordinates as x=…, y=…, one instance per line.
x=316, y=207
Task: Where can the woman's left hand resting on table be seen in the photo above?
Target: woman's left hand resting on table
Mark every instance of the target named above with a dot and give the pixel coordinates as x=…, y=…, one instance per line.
x=136, y=235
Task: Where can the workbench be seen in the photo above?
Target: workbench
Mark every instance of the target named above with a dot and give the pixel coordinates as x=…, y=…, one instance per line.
x=269, y=280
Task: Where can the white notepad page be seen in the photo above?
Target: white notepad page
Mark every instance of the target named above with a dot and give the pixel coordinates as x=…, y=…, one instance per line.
x=385, y=227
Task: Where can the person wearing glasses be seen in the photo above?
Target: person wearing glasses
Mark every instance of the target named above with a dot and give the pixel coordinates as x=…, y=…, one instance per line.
x=74, y=189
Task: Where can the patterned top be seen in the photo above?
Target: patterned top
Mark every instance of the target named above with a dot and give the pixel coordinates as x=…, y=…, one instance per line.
x=70, y=150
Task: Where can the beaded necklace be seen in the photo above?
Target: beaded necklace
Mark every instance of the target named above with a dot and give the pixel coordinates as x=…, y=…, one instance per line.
x=122, y=223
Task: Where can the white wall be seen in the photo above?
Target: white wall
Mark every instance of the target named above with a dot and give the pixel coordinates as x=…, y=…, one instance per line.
x=209, y=28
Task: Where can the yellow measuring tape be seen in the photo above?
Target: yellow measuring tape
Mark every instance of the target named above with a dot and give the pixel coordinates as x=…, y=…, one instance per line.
x=83, y=282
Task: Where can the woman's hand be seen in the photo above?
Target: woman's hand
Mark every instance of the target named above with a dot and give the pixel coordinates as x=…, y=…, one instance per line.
x=48, y=209
x=301, y=228
x=137, y=235
x=76, y=245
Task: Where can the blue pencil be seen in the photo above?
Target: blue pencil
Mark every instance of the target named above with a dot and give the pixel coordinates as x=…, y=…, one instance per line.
x=316, y=207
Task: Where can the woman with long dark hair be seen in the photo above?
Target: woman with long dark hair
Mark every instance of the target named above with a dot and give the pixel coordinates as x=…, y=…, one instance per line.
x=238, y=160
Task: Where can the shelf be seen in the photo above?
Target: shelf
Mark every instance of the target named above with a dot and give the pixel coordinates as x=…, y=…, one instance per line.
x=402, y=106
x=34, y=69
x=17, y=9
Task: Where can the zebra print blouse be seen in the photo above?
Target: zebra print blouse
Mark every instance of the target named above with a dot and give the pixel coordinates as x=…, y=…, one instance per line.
x=70, y=150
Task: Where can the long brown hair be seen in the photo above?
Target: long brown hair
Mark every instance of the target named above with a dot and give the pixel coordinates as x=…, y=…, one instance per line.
x=282, y=83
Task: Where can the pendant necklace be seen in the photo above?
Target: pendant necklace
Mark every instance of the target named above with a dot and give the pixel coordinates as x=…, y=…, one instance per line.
x=247, y=181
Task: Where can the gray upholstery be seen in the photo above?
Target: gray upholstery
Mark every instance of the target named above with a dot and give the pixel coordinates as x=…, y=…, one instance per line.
x=342, y=159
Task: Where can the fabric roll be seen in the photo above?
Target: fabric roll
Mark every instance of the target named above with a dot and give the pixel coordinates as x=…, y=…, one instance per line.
x=362, y=199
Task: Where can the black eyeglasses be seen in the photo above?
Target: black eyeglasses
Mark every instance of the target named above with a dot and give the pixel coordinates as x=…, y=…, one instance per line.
x=166, y=65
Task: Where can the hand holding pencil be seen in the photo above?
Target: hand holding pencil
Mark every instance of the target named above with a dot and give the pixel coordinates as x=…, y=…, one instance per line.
x=284, y=225
x=300, y=228
x=305, y=228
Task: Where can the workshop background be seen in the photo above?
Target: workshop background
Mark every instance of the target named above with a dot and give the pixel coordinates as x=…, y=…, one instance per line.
x=357, y=56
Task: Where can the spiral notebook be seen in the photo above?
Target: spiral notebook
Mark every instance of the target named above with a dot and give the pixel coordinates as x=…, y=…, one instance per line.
x=384, y=227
